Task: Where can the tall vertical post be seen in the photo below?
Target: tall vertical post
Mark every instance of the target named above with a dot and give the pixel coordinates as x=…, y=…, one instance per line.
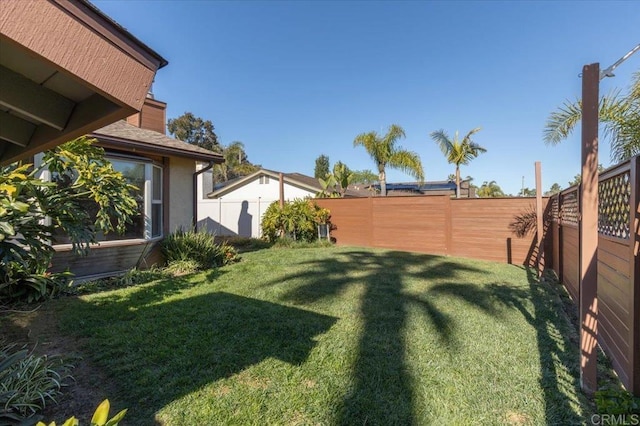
x=539, y=219
x=588, y=229
x=281, y=186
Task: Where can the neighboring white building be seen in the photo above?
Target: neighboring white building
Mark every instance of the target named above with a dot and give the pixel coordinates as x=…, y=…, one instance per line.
x=236, y=208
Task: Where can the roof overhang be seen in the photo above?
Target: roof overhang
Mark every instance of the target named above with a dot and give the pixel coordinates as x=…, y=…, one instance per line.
x=262, y=172
x=66, y=69
x=140, y=147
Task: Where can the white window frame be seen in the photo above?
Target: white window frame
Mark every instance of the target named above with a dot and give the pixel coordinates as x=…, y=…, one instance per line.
x=149, y=201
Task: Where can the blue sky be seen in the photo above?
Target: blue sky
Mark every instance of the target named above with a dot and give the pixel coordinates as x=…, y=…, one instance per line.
x=293, y=80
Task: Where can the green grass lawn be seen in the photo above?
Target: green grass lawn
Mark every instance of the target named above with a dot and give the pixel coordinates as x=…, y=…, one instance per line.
x=336, y=336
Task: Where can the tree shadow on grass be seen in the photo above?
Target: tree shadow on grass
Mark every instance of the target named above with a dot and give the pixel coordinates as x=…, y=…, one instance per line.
x=556, y=338
x=382, y=389
x=163, y=351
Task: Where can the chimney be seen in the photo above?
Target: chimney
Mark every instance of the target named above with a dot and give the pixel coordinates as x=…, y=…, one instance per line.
x=153, y=115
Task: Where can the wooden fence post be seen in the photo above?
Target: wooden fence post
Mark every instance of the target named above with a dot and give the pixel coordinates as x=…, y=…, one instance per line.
x=588, y=229
x=281, y=188
x=448, y=226
x=539, y=221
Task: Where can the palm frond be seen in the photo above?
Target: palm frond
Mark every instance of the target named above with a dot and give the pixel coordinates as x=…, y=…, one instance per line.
x=408, y=162
x=444, y=142
x=467, y=138
x=561, y=123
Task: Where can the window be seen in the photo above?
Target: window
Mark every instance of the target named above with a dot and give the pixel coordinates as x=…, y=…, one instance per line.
x=264, y=180
x=135, y=174
x=156, y=202
x=147, y=179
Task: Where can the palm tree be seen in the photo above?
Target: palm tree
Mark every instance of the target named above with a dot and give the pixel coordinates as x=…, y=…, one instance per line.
x=235, y=163
x=619, y=114
x=458, y=152
x=384, y=152
x=490, y=190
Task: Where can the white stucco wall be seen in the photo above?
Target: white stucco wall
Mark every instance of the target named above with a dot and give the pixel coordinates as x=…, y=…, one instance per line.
x=180, y=192
x=227, y=215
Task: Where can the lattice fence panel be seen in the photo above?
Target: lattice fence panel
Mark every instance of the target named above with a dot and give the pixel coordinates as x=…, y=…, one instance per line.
x=614, y=206
x=569, y=210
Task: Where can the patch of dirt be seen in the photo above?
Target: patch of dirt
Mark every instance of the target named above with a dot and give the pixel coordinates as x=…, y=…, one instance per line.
x=38, y=330
x=249, y=380
x=309, y=383
x=517, y=418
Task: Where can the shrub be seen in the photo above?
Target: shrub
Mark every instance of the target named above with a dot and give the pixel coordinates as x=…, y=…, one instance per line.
x=27, y=203
x=296, y=220
x=28, y=383
x=198, y=247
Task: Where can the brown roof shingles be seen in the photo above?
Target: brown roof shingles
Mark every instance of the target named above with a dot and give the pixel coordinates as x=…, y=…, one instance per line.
x=124, y=135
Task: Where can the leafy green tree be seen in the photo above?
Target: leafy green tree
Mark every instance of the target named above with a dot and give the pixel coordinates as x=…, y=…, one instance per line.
x=457, y=151
x=84, y=177
x=322, y=167
x=236, y=163
x=555, y=188
x=343, y=176
x=527, y=192
x=385, y=152
x=578, y=178
x=490, y=190
x=194, y=130
x=365, y=177
x=335, y=184
x=329, y=187
x=620, y=115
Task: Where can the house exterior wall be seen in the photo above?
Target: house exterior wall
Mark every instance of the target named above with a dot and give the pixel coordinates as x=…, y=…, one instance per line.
x=180, y=201
x=240, y=211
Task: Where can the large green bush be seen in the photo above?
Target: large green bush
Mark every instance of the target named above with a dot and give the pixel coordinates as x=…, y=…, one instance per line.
x=297, y=220
x=28, y=203
x=182, y=248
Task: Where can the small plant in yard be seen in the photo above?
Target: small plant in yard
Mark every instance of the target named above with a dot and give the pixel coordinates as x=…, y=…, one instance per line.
x=182, y=267
x=198, y=247
x=28, y=383
x=100, y=417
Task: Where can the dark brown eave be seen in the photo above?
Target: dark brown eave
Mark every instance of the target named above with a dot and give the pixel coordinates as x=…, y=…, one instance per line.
x=66, y=69
x=146, y=148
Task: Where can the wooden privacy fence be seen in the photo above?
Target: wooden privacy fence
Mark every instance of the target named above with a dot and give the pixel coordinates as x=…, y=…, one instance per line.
x=498, y=229
x=618, y=262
